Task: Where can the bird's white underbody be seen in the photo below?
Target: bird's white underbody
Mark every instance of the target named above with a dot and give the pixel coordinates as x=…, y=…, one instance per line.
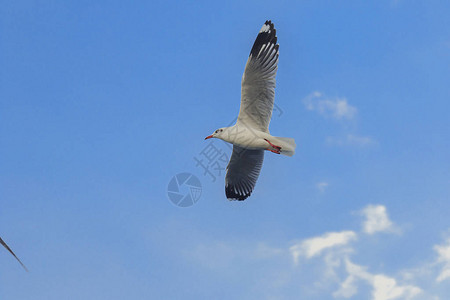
x=249, y=138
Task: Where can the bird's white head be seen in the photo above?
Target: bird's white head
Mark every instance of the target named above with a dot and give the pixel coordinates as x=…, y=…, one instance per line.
x=219, y=133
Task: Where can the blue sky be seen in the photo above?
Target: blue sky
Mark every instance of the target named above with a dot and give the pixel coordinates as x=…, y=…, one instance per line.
x=101, y=104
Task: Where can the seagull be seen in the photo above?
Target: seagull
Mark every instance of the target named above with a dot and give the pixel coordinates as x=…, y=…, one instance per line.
x=10, y=251
x=250, y=135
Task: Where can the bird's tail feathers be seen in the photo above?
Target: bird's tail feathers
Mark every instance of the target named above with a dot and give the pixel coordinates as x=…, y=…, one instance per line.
x=287, y=145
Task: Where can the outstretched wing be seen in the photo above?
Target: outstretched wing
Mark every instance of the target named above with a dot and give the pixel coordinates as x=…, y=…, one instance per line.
x=258, y=81
x=242, y=172
x=10, y=251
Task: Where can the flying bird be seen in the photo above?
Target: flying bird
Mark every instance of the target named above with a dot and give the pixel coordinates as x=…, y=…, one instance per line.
x=250, y=135
x=10, y=251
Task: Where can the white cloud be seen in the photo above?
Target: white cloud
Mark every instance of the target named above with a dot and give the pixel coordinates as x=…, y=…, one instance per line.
x=347, y=288
x=217, y=255
x=263, y=251
x=338, y=267
x=314, y=246
x=443, y=252
x=321, y=186
x=360, y=140
x=383, y=287
x=221, y=254
x=351, y=140
x=376, y=219
x=337, y=108
x=328, y=265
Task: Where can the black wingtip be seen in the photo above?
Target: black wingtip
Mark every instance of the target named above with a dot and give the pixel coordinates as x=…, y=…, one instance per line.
x=232, y=195
x=267, y=35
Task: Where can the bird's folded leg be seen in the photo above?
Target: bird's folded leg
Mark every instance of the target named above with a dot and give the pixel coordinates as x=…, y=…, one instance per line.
x=277, y=151
x=275, y=146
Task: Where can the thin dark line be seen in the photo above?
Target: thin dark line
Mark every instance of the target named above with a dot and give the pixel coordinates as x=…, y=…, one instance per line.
x=10, y=251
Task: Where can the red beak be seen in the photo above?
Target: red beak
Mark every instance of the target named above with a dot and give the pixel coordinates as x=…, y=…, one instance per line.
x=208, y=137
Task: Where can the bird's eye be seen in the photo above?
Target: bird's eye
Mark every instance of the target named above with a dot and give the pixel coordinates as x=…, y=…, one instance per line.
x=221, y=130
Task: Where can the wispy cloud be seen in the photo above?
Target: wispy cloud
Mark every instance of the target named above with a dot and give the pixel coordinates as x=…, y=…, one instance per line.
x=339, y=251
x=376, y=219
x=265, y=251
x=328, y=264
x=218, y=255
x=314, y=246
x=443, y=252
x=351, y=140
x=337, y=108
x=383, y=287
x=321, y=186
